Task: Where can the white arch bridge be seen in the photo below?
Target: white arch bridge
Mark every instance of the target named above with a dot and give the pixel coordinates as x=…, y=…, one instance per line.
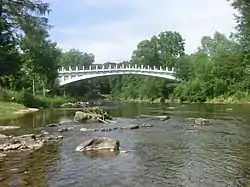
x=70, y=75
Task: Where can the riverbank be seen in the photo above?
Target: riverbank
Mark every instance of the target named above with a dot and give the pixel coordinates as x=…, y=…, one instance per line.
x=13, y=104
x=13, y=109
x=7, y=109
x=218, y=100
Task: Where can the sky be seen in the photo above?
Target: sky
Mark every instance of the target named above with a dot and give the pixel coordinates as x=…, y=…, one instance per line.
x=111, y=29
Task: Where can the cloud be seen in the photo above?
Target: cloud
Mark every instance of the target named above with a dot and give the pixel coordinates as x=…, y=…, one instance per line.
x=115, y=37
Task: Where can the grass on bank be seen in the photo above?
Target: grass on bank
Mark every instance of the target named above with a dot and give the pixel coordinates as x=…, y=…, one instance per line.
x=31, y=101
x=236, y=98
x=7, y=109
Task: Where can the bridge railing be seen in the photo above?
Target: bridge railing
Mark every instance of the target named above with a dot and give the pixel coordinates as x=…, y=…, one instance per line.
x=110, y=68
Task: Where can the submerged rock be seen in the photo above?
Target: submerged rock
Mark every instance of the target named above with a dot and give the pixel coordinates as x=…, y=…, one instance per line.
x=146, y=125
x=123, y=152
x=2, y=136
x=145, y=116
x=26, y=136
x=8, y=147
x=21, y=145
x=26, y=142
x=53, y=125
x=106, y=129
x=65, y=129
x=59, y=137
x=131, y=127
x=44, y=132
x=65, y=121
x=201, y=121
x=99, y=144
x=2, y=155
x=171, y=107
x=88, y=130
x=164, y=118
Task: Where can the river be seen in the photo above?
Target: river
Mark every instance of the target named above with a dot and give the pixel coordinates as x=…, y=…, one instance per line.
x=171, y=153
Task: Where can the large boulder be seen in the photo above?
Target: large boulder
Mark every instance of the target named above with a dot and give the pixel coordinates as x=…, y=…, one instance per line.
x=87, y=117
x=99, y=144
x=94, y=114
x=80, y=116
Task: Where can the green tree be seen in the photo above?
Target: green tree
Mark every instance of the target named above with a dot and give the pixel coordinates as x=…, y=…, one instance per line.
x=243, y=23
x=19, y=18
x=41, y=62
x=162, y=50
x=75, y=57
x=217, y=69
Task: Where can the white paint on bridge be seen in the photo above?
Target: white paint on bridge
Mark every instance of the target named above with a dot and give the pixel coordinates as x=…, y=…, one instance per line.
x=73, y=75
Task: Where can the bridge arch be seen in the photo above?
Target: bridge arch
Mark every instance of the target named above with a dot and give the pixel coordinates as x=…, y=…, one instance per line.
x=74, y=75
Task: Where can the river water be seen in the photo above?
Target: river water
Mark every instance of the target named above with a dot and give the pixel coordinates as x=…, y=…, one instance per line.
x=171, y=153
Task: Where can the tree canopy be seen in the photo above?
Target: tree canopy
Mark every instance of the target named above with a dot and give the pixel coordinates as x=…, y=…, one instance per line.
x=29, y=59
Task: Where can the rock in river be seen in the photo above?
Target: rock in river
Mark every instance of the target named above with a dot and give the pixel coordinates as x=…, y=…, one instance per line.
x=201, y=121
x=164, y=118
x=93, y=114
x=99, y=144
x=146, y=125
x=2, y=136
x=2, y=155
x=87, y=130
x=26, y=142
x=21, y=143
x=53, y=125
x=131, y=127
x=65, y=129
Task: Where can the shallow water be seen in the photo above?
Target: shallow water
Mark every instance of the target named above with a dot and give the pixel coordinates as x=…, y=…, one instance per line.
x=172, y=153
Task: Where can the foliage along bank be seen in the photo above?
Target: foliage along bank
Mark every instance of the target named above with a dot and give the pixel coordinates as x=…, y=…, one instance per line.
x=217, y=71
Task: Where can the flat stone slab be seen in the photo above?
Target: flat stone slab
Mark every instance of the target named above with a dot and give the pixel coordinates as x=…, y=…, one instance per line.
x=99, y=144
x=3, y=128
x=27, y=110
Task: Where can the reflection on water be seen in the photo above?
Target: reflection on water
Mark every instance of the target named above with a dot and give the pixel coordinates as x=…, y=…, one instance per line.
x=172, y=153
x=24, y=169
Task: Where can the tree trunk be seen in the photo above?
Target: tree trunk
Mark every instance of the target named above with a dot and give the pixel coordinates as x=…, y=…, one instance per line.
x=33, y=86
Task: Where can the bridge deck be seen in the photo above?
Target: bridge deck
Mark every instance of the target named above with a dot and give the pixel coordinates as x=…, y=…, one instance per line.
x=70, y=75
